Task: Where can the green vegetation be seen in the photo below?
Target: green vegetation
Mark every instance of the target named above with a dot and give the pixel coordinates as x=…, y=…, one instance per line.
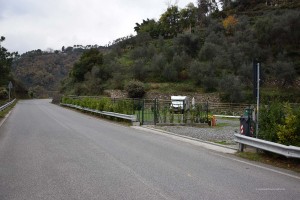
x=135, y=89
x=103, y=104
x=221, y=142
x=88, y=75
x=210, y=53
x=278, y=123
x=6, y=60
x=41, y=72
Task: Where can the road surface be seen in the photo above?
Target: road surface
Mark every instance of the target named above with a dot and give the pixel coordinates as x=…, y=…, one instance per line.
x=49, y=152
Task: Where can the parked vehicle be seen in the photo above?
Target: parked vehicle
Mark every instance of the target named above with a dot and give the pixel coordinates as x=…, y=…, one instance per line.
x=180, y=103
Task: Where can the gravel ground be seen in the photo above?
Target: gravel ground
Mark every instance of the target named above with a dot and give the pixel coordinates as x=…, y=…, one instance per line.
x=223, y=133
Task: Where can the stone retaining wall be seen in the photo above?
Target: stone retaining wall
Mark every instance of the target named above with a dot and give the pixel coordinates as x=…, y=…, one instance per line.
x=211, y=97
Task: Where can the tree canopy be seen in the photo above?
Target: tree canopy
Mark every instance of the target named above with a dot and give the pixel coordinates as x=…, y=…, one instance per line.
x=6, y=59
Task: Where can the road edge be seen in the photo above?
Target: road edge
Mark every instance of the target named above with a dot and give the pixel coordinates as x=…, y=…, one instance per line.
x=193, y=141
x=220, y=149
x=5, y=118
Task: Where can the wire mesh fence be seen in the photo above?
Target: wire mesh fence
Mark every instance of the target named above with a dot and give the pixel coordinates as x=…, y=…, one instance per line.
x=157, y=111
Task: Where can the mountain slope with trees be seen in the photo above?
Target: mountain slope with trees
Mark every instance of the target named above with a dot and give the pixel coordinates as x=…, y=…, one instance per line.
x=41, y=72
x=203, y=48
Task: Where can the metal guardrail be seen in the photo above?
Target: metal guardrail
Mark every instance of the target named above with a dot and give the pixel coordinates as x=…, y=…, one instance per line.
x=6, y=105
x=111, y=114
x=288, y=151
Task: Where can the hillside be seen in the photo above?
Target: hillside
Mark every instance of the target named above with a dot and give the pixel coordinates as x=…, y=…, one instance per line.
x=42, y=72
x=194, y=49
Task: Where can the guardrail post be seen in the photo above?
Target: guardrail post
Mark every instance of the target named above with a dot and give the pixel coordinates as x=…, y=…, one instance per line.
x=241, y=147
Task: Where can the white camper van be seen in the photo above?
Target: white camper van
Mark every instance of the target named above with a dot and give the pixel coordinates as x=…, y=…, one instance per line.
x=180, y=103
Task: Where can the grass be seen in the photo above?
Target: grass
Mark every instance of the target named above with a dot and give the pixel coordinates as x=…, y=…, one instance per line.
x=221, y=142
x=4, y=112
x=272, y=159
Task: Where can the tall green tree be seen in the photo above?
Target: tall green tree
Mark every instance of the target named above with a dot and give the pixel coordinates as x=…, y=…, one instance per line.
x=87, y=61
x=6, y=59
x=170, y=22
x=148, y=26
x=188, y=17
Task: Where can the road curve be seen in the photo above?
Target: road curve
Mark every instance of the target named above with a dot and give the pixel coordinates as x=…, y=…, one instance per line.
x=49, y=152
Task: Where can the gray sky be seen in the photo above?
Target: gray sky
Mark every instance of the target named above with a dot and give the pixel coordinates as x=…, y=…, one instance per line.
x=41, y=24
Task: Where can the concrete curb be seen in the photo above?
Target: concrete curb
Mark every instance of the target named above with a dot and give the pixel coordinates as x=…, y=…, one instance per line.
x=190, y=140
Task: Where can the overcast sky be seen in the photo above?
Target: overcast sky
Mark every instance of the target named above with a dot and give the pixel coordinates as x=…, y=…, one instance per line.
x=41, y=24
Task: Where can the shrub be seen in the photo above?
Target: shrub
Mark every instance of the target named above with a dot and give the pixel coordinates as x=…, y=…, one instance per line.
x=102, y=103
x=287, y=132
x=135, y=89
x=278, y=123
x=124, y=106
x=3, y=93
x=231, y=89
x=270, y=117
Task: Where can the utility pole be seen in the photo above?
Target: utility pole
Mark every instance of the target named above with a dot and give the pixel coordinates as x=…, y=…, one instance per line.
x=257, y=99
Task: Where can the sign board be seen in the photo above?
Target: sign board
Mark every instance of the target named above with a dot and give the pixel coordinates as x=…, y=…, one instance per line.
x=10, y=86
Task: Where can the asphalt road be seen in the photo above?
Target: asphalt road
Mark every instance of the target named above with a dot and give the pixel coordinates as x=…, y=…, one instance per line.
x=49, y=152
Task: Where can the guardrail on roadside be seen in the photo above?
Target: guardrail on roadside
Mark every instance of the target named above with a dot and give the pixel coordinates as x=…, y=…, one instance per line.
x=131, y=118
x=6, y=105
x=288, y=151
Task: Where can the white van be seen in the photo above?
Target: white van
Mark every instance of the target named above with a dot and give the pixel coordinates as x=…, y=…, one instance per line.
x=180, y=103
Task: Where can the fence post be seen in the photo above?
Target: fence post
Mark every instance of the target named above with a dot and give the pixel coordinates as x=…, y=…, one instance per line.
x=143, y=108
x=133, y=105
x=155, y=111
x=207, y=111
